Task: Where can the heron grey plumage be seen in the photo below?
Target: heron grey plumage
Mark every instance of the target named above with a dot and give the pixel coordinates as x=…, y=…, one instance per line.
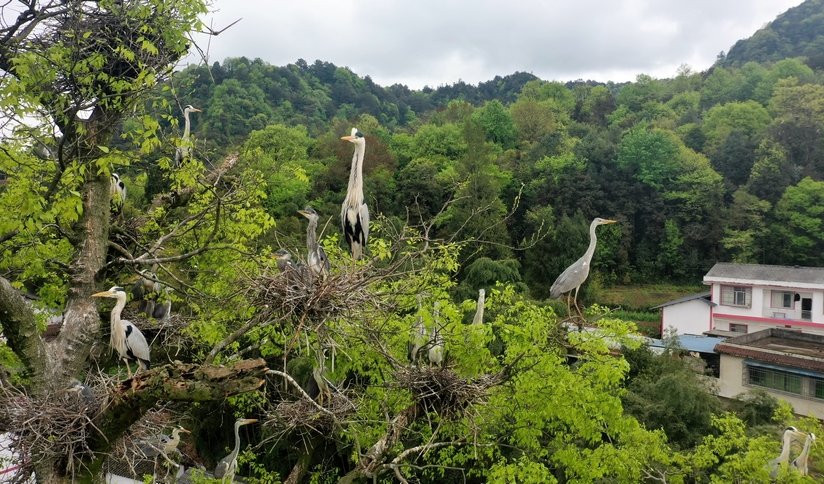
x=117, y=190
x=161, y=443
x=84, y=391
x=436, y=343
x=354, y=214
x=126, y=338
x=801, y=462
x=418, y=337
x=184, y=149
x=577, y=273
x=790, y=434
x=226, y=467
x=316, y=257
x=479, y=309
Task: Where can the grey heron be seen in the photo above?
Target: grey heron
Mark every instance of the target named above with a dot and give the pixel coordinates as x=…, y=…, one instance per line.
x=577, y=273
x=153, y=296
x=436, y=343
x=294, y=272
x=354, y=214
x=117, y=189
x=790, y=434
x=84, y=392
x=418, y=336
x=162, y=443
x=126, y=338
x=479, y=310
x=226, y=467
x=316, y=259
x=800, y=462
x=184, y=149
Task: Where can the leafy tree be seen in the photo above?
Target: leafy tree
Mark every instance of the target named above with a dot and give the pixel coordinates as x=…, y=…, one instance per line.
x=496, y=123
x=801, y=229
x=746, y=228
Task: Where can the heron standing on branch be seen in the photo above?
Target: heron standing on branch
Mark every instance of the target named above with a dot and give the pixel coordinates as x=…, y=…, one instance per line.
x=577, y=273
x=227, y=466
x=354, y=214
x=436, y=343
x=184, y=149
x=418, y=337
x=790, y=434
x=800, y=462
x=479, y=310
x=126, y=338
x=118, y=192
x=316, y=257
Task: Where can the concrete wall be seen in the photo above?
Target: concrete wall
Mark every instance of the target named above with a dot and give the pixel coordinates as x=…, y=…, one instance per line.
x=731, y=383
x=690, y=317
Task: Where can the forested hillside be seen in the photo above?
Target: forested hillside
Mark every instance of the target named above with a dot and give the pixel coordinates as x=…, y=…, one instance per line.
x=702, y=167
x=799, y=32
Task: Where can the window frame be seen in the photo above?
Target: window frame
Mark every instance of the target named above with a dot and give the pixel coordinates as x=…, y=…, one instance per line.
x=730, y=296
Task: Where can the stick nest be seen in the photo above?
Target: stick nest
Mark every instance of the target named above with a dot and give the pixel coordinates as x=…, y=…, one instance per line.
x=302, y=416
x=55, y=426
x=442, y=390
x=298, y=295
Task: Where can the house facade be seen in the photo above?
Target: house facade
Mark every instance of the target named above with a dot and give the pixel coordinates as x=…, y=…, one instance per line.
x=754, y=297
x=687, y=315
x=785, y=363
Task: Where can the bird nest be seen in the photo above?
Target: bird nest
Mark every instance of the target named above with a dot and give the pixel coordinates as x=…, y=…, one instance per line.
x=443, y=391
x=54, y=426
x=304, y=416
x=303, y=297
x=128, y=456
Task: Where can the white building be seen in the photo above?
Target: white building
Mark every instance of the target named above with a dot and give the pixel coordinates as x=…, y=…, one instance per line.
x=752, y=297
x=785, y=363
x=687, y=315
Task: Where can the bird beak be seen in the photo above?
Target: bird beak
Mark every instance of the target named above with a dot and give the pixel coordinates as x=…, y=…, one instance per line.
x=347, y=138
x=304, y=213
x=102, y=294
x=184, y=430
x=610, y=222
x=249, y=420
x=196, y=110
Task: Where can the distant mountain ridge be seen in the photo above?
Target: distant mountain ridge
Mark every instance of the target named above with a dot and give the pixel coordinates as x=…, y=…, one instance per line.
x=798, y=32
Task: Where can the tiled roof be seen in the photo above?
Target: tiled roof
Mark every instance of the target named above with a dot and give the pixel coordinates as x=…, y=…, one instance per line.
x=780, y=346
x=760, y=272
x=705, y=296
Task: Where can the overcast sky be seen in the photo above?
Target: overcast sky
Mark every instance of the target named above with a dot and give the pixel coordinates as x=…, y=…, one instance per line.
x=427, y=42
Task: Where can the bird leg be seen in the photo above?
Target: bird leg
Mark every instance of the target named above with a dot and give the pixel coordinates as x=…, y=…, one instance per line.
x=580, y=313
x=128, y=368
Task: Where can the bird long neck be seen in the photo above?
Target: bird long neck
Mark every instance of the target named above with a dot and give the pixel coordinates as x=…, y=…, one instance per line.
x=355, y=189
x=593, y=240
x=117, y=309
x=785, y=449
x=237, y=439
x=311, y=235
x=186, y=124
x=802, y=457
x=479, y=312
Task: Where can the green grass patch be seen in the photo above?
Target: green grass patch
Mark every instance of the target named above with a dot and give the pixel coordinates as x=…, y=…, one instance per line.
x=643, y=297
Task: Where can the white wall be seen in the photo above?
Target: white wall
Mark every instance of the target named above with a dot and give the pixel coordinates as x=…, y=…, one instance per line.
x=731, y=384
x=689, y=317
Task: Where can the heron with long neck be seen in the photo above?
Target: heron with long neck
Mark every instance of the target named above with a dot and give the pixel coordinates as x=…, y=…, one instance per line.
x=577, y=273
x=418, y=337
x=184, y=150
x=436, y=343
x=790, y=434
x=227, y=466
x=316, y=257
x=479, y=309
x=354, y=214
x=126, y=338
x=801, y=462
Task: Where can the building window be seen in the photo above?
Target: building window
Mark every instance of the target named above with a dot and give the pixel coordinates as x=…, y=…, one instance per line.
x=818, y=388
x=738, y=328
x=736, y=296
x=781, y=299
x=775, y=379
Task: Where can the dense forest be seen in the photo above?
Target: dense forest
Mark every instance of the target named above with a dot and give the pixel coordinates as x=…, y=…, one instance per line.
x=718, y=166
x=433, y=358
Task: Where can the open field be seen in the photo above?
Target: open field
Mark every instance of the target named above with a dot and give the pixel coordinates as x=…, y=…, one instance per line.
x=643, y=297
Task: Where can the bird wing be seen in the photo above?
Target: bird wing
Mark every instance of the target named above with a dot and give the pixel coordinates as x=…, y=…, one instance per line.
x=363, y=215
x=323, y=259
x=572, y=277
x=222, y=468
x=136, y=345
